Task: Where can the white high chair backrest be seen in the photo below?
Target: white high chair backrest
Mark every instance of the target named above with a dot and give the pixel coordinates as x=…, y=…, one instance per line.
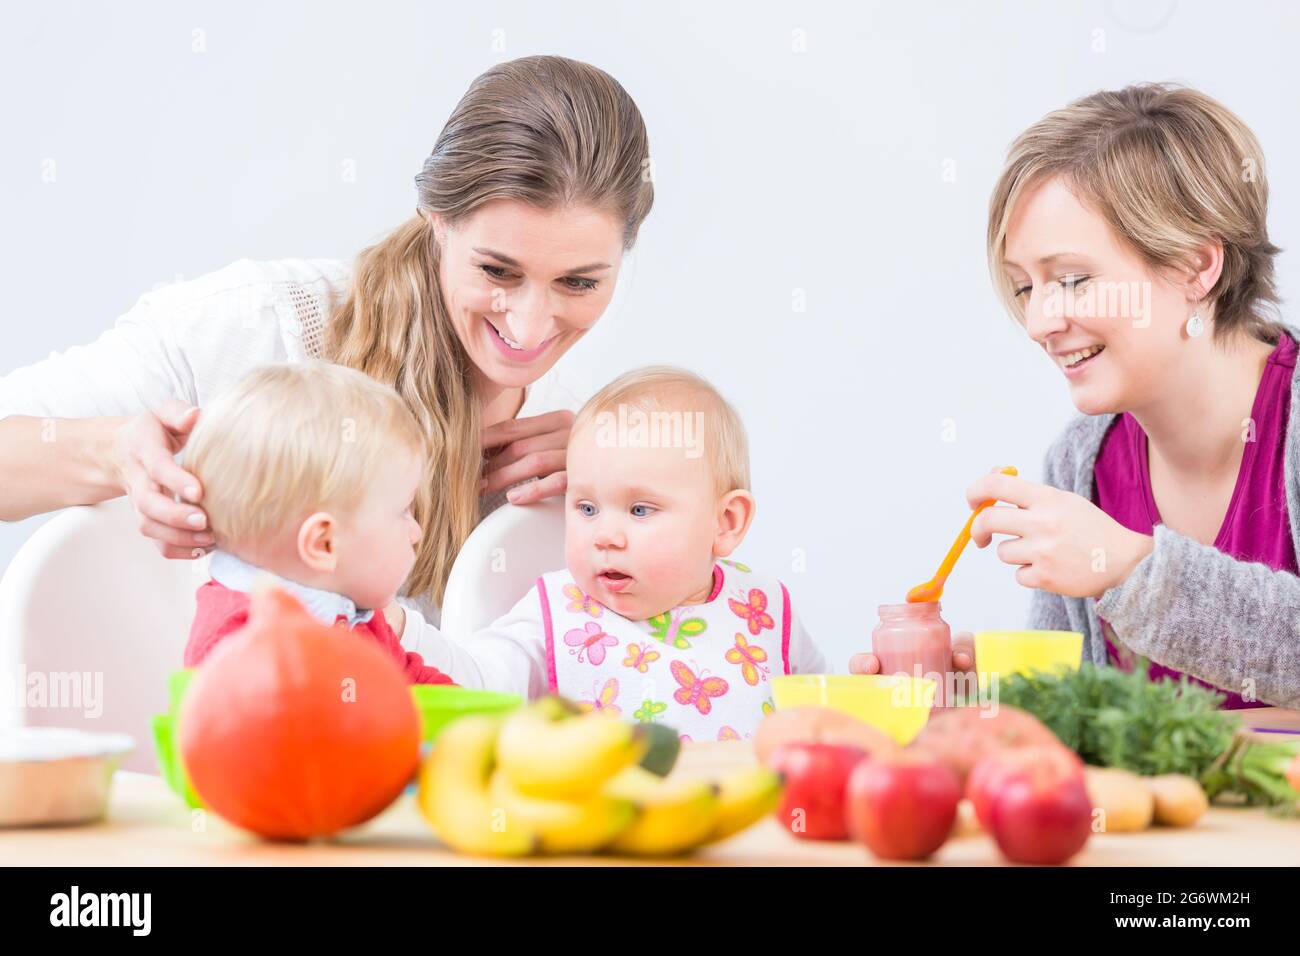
x=92, y=620
x=499, y=562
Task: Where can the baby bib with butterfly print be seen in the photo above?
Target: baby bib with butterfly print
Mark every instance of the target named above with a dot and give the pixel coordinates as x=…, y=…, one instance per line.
x=703, y=669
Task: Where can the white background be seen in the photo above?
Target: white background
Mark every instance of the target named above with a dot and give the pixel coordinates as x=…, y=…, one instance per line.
x=857, y=171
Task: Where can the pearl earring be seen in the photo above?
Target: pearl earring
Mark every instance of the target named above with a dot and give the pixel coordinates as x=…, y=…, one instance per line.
x=1195, y=326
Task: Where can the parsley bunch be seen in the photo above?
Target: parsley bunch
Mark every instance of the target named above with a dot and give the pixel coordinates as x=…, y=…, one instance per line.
x=1116, y=719
x=1111, y=718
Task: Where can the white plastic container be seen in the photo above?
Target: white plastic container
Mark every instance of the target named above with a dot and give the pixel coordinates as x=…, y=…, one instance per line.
x=50, y=776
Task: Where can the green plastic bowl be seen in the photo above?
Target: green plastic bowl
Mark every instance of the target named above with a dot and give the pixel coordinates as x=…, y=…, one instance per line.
x=440, y=704
x=166, y=736
x=170, y=767
x=437, y=704
x=177, y=683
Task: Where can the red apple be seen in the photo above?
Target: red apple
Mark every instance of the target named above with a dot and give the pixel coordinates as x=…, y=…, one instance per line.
x=962, y=736
x=989, y=774
x=816, y=778
x=1037, y=808
x=982, y=784
x=902, y=807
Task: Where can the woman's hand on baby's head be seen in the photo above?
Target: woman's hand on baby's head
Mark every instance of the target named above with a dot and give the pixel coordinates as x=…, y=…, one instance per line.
x=143, y=460
x=963, y=656
x=528, y=448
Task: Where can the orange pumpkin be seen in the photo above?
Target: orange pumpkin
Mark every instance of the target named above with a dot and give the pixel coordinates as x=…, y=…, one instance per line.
x=292, y=729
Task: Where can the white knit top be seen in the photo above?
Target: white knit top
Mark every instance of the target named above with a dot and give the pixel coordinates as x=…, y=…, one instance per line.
x=193, y=339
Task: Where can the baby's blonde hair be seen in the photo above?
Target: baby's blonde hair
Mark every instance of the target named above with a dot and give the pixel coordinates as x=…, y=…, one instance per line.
x=1171, y=170
x=288, y=440
x=663, y=390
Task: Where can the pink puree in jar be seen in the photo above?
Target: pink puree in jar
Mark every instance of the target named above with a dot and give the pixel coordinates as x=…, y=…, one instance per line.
x=913, y=639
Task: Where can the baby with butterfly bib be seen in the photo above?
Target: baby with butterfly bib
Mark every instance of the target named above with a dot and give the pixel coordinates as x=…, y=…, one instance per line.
x=649, y=619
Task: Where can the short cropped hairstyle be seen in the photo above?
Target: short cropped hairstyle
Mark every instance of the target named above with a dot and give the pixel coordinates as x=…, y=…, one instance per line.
x=288, y=440
x=1171, y=170
x=665, y=396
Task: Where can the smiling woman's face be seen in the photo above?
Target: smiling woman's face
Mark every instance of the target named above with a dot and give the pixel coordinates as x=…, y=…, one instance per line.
x=523, y=284
x=1114, y=327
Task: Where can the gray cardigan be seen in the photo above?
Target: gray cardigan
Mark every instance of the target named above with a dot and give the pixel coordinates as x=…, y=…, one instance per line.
x=1189, y=606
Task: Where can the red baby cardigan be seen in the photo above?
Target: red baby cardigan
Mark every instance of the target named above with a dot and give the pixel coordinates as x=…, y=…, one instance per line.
x=222, y=611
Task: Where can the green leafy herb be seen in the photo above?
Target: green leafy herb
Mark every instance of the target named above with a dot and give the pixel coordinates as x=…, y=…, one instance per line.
x=1254, y=772
x=1112, y=718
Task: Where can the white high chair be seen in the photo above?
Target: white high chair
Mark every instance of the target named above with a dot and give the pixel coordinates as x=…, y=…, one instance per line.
x=90, y=609
x=499, y=563
x=88, y=598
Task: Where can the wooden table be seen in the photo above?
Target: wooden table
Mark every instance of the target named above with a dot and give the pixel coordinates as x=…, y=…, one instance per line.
x=149, y=826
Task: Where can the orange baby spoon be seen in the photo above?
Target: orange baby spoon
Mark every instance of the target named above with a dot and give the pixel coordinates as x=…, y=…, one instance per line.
x=932, y=589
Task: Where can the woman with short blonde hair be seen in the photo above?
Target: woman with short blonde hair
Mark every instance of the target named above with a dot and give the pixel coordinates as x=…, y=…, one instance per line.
x=1128, y=235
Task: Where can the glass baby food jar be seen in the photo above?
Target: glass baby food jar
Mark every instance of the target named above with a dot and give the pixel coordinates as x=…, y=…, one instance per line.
x=913, y=639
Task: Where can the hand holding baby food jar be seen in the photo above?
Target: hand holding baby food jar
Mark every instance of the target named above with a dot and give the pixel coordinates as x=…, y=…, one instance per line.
x=961, y=662
x=913, y=639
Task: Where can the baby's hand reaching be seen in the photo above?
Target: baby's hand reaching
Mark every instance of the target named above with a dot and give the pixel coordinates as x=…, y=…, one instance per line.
x=963, y=657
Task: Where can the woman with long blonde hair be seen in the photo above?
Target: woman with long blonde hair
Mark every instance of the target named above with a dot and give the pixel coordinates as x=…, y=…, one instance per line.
x=535, y=188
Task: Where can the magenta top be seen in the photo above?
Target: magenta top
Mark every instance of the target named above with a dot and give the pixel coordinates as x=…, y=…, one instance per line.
x=1256, y=526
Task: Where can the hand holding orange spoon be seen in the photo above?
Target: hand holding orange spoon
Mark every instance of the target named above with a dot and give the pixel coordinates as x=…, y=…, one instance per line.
x=932, y=589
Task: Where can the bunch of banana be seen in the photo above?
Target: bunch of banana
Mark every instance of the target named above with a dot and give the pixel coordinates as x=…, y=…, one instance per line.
x=547, y=779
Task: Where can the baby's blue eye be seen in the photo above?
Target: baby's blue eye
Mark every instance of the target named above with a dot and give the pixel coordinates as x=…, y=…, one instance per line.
x=587, y=510
x=641, y=511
